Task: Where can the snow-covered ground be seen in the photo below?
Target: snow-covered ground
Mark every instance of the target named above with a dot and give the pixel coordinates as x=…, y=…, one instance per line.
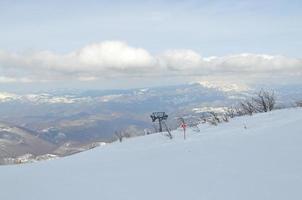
x=227, y=162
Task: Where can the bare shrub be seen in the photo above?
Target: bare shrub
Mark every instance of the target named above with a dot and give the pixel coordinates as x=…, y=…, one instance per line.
x=225, y=118
x=247, y=107
x=239, y=111
x=264, y=101
x=231, y=112
x=215, y=116
x=213, y=119
x=181, y=120
x=299, y=103
x=119, y=135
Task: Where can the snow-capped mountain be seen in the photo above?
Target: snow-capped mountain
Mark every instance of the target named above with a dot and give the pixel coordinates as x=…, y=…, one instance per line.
x=224, y=86
x=40, y=98
x=5, y=97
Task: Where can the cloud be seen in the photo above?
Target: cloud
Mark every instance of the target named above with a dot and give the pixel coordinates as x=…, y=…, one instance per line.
x=256, y=63
x=118, y=59
x=114, y=55
x=180, y=60
x=4, y=79
x=94, y=59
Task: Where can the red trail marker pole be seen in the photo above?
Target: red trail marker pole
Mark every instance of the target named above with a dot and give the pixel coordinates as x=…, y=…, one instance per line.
x=184, y=126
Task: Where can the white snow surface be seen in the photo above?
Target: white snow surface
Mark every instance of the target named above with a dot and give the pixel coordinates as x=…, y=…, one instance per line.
x=227, y=162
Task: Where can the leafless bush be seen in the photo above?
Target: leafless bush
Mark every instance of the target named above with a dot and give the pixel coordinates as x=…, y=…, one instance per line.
x=203, y=120
x=181, y=120
x=264, y=101
x=235, y=111
x=231, y=112
x=299, y=103
x=239, y=111
x=213, y=119
x=247, y=107
x=225, y=118
x=127, y=134
x=191, y=122
x=215, y=116
x=119, y=135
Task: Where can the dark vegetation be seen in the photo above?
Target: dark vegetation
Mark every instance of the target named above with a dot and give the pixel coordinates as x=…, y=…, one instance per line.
x=263, y=101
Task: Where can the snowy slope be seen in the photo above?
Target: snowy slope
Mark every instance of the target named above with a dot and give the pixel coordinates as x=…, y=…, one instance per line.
x=227, y=162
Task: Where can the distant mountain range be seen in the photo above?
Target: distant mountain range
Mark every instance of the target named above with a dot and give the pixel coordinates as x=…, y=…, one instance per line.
x=16, y=141
x=70, y=120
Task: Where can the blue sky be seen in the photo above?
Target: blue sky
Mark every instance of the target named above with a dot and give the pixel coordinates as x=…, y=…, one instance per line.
x=209, y=28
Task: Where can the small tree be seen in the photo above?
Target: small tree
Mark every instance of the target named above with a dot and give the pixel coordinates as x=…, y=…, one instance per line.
x=264, y=101
x=247, y=107
x=119, y=135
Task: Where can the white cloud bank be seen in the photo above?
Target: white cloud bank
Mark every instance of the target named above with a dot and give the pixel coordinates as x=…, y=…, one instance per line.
x=115, y=58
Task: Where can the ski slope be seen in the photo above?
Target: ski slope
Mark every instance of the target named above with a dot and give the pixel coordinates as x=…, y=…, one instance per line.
x=227, y=162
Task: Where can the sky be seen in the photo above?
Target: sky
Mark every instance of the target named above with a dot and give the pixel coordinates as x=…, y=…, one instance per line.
x=124, y=44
